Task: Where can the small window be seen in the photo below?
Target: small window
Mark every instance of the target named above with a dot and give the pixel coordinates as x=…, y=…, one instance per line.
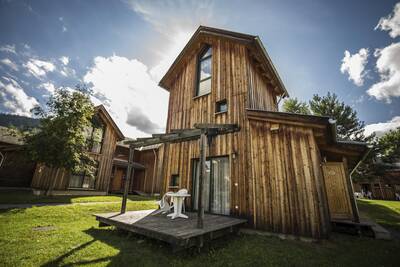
x=204, y=72
x=174, y=182
x=221, y=106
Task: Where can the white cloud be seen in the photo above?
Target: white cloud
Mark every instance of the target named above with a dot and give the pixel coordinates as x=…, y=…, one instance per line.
x=14, y=99
x=354, y=65
x=382, y=127
x=49, y=87
x=9, y=63
x=8, y=49
x=388, y=66
x=125, y=87
x=176, y=21
x=39, y=68
x=391, y=23
x=64, y=29
x=64, y=60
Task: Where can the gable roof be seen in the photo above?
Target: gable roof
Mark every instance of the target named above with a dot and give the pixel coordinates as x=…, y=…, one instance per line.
x=110, y=121
x=251, y=41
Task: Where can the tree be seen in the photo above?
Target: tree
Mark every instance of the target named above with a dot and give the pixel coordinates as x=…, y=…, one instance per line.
x=389, y=146
x=293, y=105
x=349, y=127
x=59, y=142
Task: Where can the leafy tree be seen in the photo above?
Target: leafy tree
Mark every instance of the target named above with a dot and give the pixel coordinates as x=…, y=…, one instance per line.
x=293, y=105
x=389, y=146
x=59, y=142
x=349, y=127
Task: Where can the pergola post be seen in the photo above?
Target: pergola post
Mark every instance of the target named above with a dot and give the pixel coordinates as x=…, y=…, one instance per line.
x=200, y=209
x=130, y=173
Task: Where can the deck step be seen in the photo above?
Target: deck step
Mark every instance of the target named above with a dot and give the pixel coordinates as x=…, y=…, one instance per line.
x=365, y=228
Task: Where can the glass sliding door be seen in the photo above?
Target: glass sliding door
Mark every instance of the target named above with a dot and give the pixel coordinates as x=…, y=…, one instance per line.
x=217, y=185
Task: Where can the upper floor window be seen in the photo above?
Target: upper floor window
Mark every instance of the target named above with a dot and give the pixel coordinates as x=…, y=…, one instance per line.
x=204, y=72
x=94, y=135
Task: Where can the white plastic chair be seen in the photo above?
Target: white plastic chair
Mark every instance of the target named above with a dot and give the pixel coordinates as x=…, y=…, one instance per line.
x=164, y=205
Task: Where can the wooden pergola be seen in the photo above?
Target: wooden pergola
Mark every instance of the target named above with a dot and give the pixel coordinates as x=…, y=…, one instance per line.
x=205, y=132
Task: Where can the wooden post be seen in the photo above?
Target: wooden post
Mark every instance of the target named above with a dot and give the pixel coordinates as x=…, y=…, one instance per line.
x=200, y=208
x=130, y=173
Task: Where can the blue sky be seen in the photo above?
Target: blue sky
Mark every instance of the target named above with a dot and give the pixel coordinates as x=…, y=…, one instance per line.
x=122, y=49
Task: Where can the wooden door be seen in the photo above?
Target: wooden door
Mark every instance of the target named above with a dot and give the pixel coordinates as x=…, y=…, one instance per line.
x=119, y=175
x=337, y=191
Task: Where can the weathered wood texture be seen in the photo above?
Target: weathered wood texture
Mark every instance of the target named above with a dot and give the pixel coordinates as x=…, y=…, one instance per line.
x=149, y=180
x=337, y=191
x=229, y=81
x=179, y=232
x=286, y=182
x=281, y=194
x=43, y=176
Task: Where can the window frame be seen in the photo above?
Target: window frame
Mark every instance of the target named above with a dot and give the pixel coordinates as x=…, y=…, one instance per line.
x=174, y=175
x=198, y=70
x=219, y=104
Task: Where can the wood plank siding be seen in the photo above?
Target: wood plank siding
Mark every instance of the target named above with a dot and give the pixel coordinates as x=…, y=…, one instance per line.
x=292, y=205
x=286, y=178
x=43, y=175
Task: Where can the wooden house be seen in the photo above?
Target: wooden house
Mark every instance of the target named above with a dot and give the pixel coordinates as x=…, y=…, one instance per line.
x=147, y=179
x=284, y=173
x=384, y=186
x=16, y=169
x=103, y=136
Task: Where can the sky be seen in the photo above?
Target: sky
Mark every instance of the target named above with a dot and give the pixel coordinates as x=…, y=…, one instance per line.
x=121, y=49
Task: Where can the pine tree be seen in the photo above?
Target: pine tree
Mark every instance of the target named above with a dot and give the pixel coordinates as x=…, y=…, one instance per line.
x=293, y=105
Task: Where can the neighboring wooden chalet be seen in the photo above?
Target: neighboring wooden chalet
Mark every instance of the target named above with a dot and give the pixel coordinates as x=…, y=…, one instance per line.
x=16, y=170
x=283, y=172
x=103, y=135
x=147, y=163
x=384, y=187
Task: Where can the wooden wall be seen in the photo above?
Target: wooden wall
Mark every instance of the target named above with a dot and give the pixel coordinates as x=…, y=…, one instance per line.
x=229, y=81
x=287, y=179
x=43, y=176
x=282, y=195
x=148, y=181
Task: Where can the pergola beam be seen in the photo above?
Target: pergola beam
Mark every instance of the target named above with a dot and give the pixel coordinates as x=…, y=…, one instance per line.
x=202, y=131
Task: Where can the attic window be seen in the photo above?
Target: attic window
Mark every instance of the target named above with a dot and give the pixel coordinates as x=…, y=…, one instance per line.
x=204, y=72
x=221, y=106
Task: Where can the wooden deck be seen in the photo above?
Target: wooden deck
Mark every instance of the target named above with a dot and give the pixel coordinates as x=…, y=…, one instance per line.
x=180, y=233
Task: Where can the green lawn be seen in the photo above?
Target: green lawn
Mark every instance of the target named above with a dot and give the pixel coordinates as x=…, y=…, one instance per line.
x=26, y=197
x=69, y=235
x=386, y=213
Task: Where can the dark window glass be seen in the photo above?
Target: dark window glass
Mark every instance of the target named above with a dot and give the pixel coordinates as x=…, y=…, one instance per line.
x=221, y=106
x=204, y=72
x=83, y=180
x=217, y=185
x=95, y=135
x=174, y=182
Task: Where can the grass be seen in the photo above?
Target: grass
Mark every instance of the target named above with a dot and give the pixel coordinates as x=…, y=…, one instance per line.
x=386, y=213
x=26, y=197
x=69, y=235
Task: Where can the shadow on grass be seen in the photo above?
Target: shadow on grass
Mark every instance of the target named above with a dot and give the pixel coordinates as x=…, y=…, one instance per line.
x=27, y=197
x=132, y=250
x=380, y=214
